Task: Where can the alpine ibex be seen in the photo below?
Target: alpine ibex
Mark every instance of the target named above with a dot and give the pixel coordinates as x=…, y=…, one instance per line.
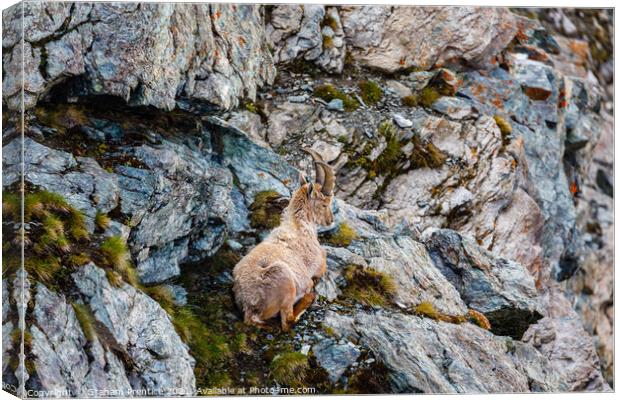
x=277, y=275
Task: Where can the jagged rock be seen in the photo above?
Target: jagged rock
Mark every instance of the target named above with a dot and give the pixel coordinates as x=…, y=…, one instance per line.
x=388, y=38
x=335, y=357
x=501, y=289
x=288, y=118
x=561, y=338
x=161, y=359
x=453, y=107
x=64, y=362
x=251, y=124
x=171, y=47
x=437, y=357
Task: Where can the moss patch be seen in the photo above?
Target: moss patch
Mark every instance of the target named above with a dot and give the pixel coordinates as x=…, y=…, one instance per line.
x=370, y=92
x=289, y=369
x=328, y=92
x=505, y=128
x=343, y=236
x=368, y=286
x=266, y=210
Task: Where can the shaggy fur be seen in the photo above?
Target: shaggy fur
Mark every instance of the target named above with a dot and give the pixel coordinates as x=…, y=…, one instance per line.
x=279, y=272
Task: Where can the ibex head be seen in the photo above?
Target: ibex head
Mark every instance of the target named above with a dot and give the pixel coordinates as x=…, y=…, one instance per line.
x=321, y=192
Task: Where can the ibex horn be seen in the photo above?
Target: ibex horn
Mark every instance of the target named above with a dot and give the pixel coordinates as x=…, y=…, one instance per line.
x=320, y=175
x=330, y=179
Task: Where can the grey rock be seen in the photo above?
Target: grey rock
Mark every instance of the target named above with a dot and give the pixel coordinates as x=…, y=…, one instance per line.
x=160, y=357
x=402, y=121
x=171, y=47
x=436, y=357
x=62, y=360
x=388, y=38
x=335, y=357
x=453, y=107
x=336, y=105
x=501, y=289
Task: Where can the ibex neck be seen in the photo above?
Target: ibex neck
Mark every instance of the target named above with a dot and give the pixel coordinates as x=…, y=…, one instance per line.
x=298, y=213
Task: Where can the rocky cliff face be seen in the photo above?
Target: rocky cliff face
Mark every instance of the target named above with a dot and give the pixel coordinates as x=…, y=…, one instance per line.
x=473, y=234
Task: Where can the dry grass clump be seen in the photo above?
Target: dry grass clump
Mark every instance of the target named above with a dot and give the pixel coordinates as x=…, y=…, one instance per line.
x=426, y=154
x=86, y=320
x=426, y=309
x=479, y=319
x=368, y=286
x=102, y=221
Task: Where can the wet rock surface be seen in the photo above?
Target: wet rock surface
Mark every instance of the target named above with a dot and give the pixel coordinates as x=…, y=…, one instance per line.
x=474, y=172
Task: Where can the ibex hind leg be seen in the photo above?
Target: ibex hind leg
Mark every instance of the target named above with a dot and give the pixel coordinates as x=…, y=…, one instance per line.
x=253, y=319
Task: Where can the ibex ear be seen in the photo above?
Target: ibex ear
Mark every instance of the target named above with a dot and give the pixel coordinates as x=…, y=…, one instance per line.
x=310, y=189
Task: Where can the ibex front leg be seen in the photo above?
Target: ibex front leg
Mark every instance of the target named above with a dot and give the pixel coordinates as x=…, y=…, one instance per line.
x=302, y=305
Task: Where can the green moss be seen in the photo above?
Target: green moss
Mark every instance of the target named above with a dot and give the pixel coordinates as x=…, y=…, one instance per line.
x=388, y=158
x=86, y=319
x=329, y=331
x=264, y=211
x=425, y=155
x=370, y=92
x=115, y=253
x=102, y=221
x=289, y=369
x=343, y=236
x=328, y=42
x=328, y=92
x=251, y=107
x=208, y=348
x=368, y=286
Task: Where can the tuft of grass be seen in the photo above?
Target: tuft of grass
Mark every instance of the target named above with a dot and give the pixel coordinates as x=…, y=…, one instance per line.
x=479, y=319
x=115, y=253
x=102, y=221
x=163, y=295
x=265, y=210
x=78, y=259
x=86, y=319
x=342, y=237
x=370, y=92
x=410, y=101
x=504, y=127
x=426, y=155
x=328, y=92
x=428, y=96
x=11, y=206
x=368, y=286
x=427, y=309
x=289, y=368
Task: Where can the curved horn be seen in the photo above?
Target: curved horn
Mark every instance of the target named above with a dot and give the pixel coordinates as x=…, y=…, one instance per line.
x=330, y=178
x=320, y=174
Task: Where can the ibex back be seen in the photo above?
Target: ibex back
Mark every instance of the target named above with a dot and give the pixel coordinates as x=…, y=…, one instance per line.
x=276, y=277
